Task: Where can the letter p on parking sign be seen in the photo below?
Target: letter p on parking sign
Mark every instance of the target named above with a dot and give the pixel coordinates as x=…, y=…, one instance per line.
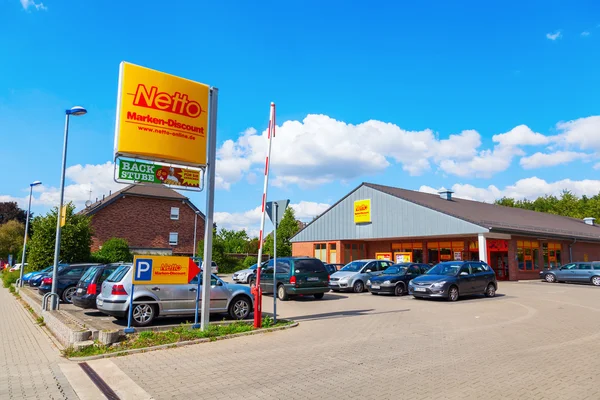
x=143, y=270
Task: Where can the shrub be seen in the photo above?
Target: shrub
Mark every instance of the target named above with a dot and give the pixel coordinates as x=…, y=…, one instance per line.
x=112, y=251
x=8, y=278
x=249, y=261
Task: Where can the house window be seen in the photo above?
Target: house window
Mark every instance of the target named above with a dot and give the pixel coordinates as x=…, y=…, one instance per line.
x=527, y=255
x=551, y=253
x=321, y=251
x=174, y=212
x=173, y=238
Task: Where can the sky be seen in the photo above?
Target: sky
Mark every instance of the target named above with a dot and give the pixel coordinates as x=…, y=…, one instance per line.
x=489, y=99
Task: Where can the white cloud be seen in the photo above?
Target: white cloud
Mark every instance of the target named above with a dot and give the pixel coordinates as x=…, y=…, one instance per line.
x=539, y=160
x=520, y=135
x=31, y=3
x=250, y=220
x=585, y=33
x=583, y=133
x=554, y=36
x=528, y=188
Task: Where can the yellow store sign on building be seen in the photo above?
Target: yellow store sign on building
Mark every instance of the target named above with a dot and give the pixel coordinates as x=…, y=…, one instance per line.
x=362, y=211
x=161, y=117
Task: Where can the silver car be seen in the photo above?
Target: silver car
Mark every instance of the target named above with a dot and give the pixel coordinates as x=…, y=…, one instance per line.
x=236, y=300
x=355, y=275
x=244, y=275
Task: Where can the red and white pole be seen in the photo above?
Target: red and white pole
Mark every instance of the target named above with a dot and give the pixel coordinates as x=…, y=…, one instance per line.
x=257, y=290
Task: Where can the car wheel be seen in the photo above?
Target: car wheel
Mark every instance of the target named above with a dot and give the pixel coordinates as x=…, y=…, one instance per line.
x=249, y=279
x=143, y=314
x=319, y=296
x=239, y=308
x=399, y=290
x=490, y=291
x=453, y=293
x=68, y=293
x=358, y=287
x=550, y=278
x=596, y=280
x=281, y=293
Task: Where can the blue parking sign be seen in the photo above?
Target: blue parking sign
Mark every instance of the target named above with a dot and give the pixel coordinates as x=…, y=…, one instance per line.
x=143, y=269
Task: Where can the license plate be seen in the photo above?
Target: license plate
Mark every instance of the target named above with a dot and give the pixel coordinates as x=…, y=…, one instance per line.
x=99, y=302
x=420, y=289
x=375, y=287
x=312, y=279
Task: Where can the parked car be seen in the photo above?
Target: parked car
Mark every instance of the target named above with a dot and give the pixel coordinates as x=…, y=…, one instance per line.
x=36, y=280
x=245, y=275
x=236, y=300
x=451, y=279
x=336, y=266
x=90, y=282
x=17, y=267
x=394, y=279
x=583, y=272
x=214, y=268
x=355, y=275
x=331, y=268
x=67, y=279
x=32, y=274
x=294, y=276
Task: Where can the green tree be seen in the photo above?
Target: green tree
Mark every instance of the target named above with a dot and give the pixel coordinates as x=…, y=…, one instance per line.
x=234, y=241
x=112, y=251
x=11, y=239
x=9, y=211
x=76, y=239
x=567, y=204
x=287, y=228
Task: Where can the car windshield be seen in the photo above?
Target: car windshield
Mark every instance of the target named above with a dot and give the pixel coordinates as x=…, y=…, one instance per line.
x=118, y=274
x=253, y=267
x=354, y=266
x=449, y=269
x=393, y=270
x=89, y=275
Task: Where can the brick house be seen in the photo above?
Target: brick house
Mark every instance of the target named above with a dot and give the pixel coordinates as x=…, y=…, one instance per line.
x=153, y=220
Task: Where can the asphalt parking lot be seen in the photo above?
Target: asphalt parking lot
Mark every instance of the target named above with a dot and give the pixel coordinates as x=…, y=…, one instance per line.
x=533, y=341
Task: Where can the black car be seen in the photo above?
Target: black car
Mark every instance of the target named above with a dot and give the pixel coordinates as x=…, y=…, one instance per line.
x=67, y=279
x=395, y=278
x=331, y=268
x=452, y=279
x=91, y=283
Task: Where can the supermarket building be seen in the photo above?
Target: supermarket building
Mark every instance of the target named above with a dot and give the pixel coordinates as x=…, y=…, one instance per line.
x=375, y=221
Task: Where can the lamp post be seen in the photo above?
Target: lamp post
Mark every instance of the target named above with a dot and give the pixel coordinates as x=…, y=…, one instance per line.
x=31, y=185
x=195, y=229
x=75, y=111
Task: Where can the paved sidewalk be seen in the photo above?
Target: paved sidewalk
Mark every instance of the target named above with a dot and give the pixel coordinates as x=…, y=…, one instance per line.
x=28, y=358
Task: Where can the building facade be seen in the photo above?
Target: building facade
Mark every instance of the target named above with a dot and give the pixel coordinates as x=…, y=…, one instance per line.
x=375, y=221
x=153, y=220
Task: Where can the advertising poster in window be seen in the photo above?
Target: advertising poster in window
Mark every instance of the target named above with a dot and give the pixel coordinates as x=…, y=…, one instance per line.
x=383, y=256
x=457, y=256
x=402, y=257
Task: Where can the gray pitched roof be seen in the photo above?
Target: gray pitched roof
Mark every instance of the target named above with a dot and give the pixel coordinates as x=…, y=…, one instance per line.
x=496, y=217
x=155, y=191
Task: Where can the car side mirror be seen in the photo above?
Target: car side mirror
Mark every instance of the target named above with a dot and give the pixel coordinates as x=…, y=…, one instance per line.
x=368, y=271
x=464, y=273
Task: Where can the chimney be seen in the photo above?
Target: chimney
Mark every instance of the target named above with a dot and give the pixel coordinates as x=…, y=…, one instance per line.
x=445, y=194
x=589, y=220
x=109, y=192
x=102, y=197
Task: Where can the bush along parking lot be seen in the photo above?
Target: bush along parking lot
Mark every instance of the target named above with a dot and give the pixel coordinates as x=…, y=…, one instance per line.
x=8, y=278
x=147, y=339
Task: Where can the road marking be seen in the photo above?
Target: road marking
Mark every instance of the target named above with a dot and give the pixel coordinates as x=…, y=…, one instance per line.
x=81, y=383
x=118, y=381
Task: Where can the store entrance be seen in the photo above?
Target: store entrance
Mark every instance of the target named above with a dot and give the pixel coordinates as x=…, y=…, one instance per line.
x=499, y=262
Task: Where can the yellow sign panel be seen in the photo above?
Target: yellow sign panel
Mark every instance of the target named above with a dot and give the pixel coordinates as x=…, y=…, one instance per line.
x=362, y=211
x=165, y=270
x=383, y=256
x=63, y=215
x=161, y=117
x=402, y=257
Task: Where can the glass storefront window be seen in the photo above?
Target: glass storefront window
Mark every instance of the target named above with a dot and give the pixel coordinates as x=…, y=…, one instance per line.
x=321, y=251
x=528, y=255
x=551, y=253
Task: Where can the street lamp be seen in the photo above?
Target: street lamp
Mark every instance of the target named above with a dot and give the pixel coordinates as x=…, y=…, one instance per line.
x=75, y=111
x=31, y=185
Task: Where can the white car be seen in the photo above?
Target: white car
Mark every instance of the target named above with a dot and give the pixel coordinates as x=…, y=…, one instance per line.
x=17, y=267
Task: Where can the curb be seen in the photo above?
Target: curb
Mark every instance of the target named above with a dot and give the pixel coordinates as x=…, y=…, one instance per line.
x=180, y=344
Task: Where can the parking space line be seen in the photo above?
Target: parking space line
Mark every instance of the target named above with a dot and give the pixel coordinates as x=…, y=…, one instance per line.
x=81, y=383
x=118, y=381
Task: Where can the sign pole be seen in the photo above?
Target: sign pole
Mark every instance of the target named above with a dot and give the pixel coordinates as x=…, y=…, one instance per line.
x=257, y=290
x=129, y=329
x=198, y=289
x=210, y=206
x=275, y=267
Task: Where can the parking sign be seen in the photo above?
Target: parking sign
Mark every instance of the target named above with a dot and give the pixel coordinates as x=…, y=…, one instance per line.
x=143, y=269
x=164, y=270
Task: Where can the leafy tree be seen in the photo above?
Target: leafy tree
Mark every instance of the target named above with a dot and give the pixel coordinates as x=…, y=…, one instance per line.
x=287, y=228
x=234, y=241
x=250, y=261
x=11, y=239
x=9, y=210
x=112, y=251
x=76, y=239
x=567, y=204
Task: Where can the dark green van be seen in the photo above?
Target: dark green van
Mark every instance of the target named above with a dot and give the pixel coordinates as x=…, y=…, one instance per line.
x=295, y=276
